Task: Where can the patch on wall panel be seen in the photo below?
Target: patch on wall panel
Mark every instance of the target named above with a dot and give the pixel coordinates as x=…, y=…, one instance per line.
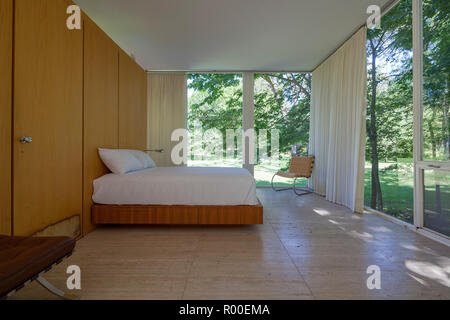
x=69, y=227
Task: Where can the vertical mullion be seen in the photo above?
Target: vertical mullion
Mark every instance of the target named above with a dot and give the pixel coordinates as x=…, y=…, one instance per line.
x=248, y=116
x=417, y=21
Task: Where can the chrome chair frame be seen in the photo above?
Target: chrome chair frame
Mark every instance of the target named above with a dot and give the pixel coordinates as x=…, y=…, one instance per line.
x=45, y=283
x=305, y=190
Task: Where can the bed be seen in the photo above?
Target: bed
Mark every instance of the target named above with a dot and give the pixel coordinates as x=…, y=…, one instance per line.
x=177, y=195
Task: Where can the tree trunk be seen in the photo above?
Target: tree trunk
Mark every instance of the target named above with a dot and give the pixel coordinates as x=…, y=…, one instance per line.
x=376, y=200
x=432, y=137
x=446, y=134
x=445, y=126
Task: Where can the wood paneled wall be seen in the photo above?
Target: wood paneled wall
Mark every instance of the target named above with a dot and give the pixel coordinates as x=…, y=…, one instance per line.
x=101, y=107
x=132, y=104
x=72, y=91
x=115, y=107
x=48, y=106
x=6, y=35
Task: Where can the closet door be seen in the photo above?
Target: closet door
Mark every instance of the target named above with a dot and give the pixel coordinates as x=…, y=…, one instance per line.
x=47, y=171
x=132, y=104
x=101, y=107
x=6, y=21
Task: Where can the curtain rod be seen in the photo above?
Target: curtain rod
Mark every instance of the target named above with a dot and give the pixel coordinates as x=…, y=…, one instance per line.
x=232, y=71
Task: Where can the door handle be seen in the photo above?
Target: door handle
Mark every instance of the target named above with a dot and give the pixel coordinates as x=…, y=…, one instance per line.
x=24, y=139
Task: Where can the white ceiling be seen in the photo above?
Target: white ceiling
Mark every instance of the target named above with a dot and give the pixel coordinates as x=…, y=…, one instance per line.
x=229, y=35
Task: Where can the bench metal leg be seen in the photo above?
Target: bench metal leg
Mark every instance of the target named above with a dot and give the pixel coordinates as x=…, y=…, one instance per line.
x=47, y=285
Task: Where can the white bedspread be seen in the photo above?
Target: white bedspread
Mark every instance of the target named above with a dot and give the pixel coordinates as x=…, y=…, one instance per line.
x=177, y=186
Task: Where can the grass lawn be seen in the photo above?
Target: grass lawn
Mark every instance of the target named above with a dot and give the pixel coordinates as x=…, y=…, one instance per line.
x=397, y=186
x=397, y=182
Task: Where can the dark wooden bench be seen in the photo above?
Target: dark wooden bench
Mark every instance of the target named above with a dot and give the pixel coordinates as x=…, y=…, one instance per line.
x=24, y=259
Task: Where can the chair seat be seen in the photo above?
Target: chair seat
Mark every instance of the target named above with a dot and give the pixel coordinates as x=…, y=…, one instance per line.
x=22, y=258
x=288, y=174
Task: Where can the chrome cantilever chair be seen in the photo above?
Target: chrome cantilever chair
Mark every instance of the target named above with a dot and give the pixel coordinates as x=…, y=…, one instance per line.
x=299, y=167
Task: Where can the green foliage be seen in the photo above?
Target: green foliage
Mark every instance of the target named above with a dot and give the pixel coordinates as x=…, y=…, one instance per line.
x=216, y=100
x=389, y=52
x=436, y=64
x=282, y=102
x=392, y=45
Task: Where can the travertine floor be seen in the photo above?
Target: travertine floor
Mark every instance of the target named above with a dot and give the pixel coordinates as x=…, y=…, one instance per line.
x=307, y=248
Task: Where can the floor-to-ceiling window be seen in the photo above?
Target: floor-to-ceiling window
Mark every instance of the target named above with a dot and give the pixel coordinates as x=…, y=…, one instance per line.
x=214, y=119
x=436, y=80
x=407, y=171
x=281, y=121
x=282, y=104
x=435, y=167
x=408, y=132
x=389, y=173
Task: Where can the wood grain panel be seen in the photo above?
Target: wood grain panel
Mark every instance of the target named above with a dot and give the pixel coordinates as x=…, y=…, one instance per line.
x=48, y=88
x=101, y=108
x=6, y=34
x=194, y=215
x=132, y=104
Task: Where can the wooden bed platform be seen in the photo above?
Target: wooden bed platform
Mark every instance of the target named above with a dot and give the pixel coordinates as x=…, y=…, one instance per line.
x=180, y=215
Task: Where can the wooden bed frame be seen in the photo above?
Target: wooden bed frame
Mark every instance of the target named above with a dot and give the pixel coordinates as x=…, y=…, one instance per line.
x=180, y=215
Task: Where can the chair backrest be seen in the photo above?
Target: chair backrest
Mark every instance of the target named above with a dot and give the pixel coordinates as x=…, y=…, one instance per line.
x=302, y=166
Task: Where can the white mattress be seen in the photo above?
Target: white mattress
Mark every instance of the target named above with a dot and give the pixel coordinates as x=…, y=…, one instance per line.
x=177, y=186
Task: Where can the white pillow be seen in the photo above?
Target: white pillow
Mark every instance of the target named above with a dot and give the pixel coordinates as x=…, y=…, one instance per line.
x=144, y=158
x=120, y=161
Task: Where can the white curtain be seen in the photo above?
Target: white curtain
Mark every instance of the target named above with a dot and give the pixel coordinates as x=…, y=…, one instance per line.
x=167, y=105
x=338, y=117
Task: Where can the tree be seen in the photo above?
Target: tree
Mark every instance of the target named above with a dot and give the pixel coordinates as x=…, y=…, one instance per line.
x=386, y=44
x=281, y=102
x=390, y=115
x=436, y=46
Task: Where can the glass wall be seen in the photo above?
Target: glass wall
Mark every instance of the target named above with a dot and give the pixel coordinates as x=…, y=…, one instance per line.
x=437, y=201
x=214, y=114
x=436, y=80
x=435, y=116
x=282, y=104
x=281, y=115
x=389, y=172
